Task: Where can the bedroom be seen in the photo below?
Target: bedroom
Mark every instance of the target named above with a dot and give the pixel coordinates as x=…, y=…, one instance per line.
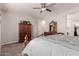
x=11, y=14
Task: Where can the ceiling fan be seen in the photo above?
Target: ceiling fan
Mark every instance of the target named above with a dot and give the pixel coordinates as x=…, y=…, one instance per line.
x=44, y=7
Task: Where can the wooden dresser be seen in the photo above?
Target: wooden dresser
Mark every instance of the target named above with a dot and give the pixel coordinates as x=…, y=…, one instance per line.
x=49, y=33
x=24, y=29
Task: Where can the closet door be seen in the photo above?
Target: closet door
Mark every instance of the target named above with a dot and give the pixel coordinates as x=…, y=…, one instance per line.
x=0, y=33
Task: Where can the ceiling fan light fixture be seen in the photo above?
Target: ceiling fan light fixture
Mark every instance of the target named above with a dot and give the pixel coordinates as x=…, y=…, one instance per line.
x=43, y=9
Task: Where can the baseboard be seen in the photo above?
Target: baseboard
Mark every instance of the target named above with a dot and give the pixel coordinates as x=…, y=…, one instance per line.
x=9, y=42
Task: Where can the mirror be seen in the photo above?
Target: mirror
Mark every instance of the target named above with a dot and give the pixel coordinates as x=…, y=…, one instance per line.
x=76, y=28
x=53, y=26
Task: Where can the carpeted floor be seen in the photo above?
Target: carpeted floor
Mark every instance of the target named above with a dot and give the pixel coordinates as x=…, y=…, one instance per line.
x=14, y=49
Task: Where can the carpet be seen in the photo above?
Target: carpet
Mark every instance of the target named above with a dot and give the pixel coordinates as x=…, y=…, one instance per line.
x=14, y=49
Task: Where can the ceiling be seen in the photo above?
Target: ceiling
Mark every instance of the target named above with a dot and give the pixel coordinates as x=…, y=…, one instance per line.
x=27, y=8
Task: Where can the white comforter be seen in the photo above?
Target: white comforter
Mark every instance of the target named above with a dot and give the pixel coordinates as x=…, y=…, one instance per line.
x=54, y=45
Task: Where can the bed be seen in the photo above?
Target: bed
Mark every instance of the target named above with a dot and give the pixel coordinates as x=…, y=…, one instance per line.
x=53, y=45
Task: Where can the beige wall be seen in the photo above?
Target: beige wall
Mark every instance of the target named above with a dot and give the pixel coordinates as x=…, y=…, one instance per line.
x=10, y=31
x=73, y=20
x=61, y=23
x=61, y=19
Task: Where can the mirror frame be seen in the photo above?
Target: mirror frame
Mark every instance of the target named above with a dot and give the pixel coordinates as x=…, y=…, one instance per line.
x=53, y=26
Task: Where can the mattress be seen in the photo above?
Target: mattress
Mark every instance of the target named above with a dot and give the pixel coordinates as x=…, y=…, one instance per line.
x=53, y=45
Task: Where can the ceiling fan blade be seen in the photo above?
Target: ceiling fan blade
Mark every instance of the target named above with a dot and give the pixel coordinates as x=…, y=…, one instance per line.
x=36, y=8
x=43, y=5
x=52, y=4
x=49, y=10
x=41, y=11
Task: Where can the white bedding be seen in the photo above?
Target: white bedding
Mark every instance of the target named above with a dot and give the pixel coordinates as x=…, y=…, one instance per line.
x=54, y=45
